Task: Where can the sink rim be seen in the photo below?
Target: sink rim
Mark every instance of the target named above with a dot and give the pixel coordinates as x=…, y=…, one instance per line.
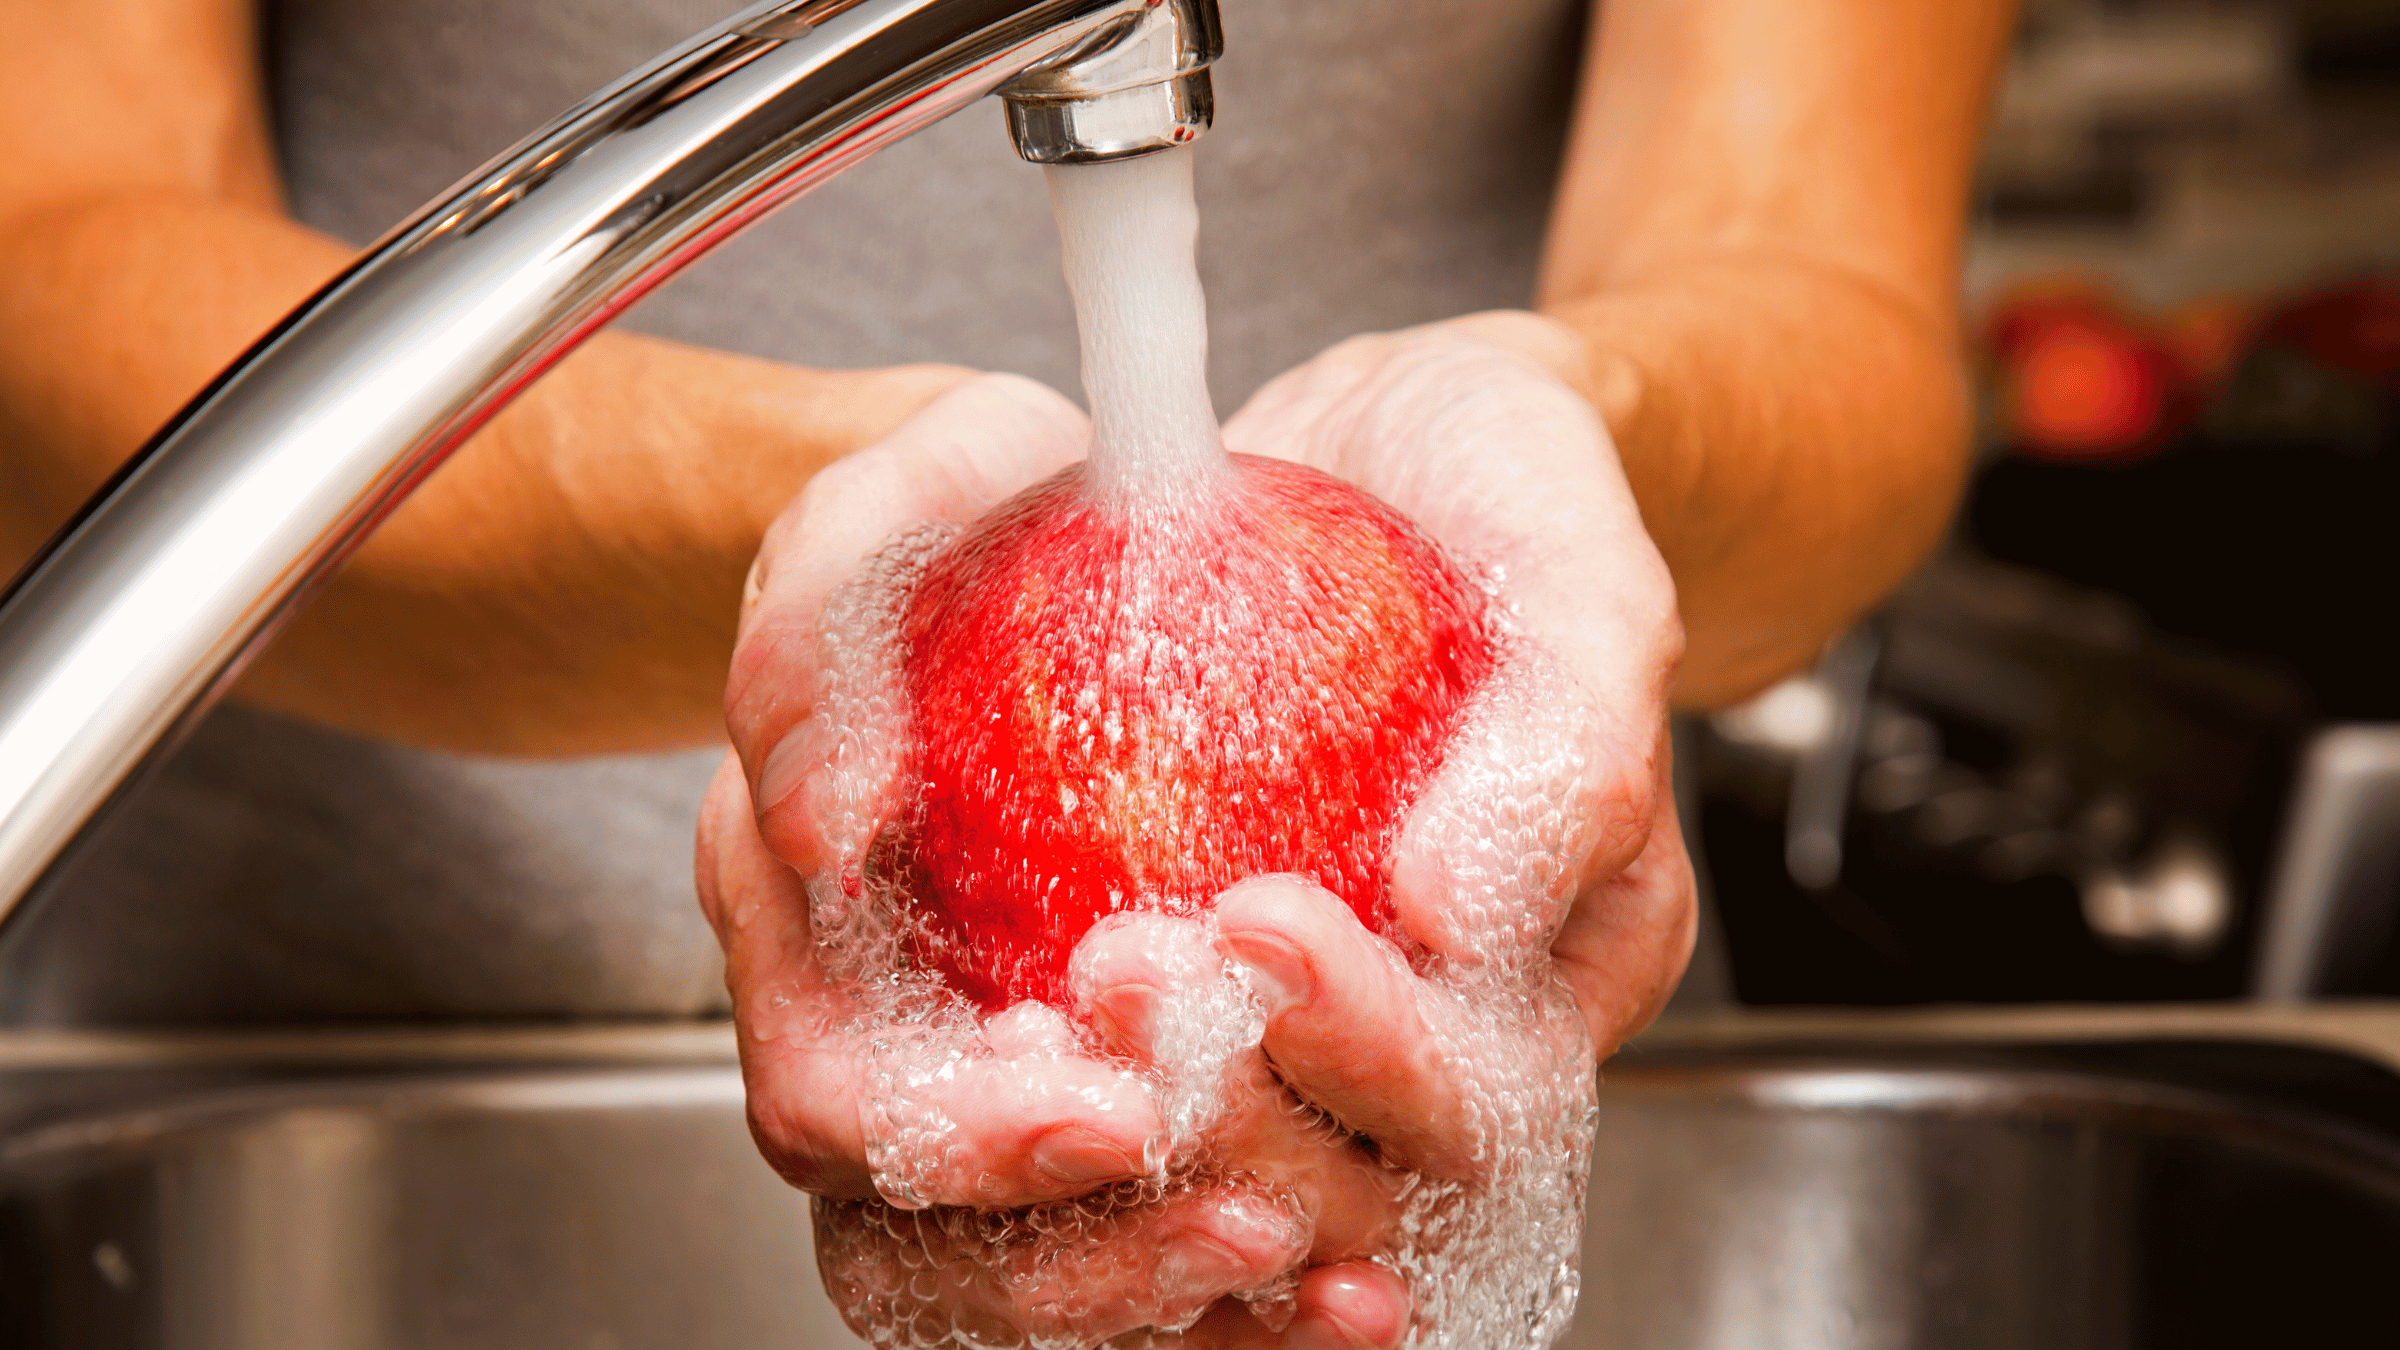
x=396, y=1094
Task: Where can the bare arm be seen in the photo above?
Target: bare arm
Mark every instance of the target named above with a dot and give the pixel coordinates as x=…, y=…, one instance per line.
x=567, y=583
x=1757, y=233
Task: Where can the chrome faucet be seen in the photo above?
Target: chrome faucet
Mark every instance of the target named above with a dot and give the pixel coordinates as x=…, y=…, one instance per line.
x=139, y=613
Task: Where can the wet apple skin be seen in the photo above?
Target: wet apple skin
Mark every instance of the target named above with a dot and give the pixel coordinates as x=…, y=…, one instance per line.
x=1133, y=705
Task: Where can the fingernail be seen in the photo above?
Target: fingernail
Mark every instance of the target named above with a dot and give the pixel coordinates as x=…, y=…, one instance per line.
x=1077, y=1157
x=1354, y=1309
x=1277, y=969
x=754, y=582
x=1127, y=1013
x=787, y=764
x=1196, y=1265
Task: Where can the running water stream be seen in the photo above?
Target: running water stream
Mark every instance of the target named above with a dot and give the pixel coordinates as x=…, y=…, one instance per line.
x=1127, y=231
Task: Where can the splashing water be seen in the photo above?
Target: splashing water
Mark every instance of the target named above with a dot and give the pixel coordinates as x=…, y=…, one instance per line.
x=951, y=904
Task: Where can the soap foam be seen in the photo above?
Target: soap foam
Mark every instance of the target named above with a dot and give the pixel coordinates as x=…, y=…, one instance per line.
x=1491, y=1262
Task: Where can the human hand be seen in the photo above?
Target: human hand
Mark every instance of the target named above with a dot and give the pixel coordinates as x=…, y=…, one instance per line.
x=1541, y=883
x=772, y=811
x=1394, y=413
x=1470, y=428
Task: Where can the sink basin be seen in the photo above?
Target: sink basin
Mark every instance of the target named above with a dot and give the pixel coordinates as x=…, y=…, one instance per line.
x=1844, y=1196
x=591, y=1209
x=2090, y=1197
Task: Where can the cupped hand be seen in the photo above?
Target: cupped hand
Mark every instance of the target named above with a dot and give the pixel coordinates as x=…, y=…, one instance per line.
x=1546, y=852
x=1053, y=1129
x=1470, y=428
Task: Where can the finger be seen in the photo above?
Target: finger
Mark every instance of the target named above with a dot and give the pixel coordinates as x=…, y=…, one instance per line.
x=1088, y=1273
x=733, y=886
x=1135, y=977
x=1187, y=1255
x=1351, y=1305
x=1035, y=1127
x=995, y=1133
x=962, y=454
x=1342, y=1305
x=1539, y=793
x=1222, y=1244
x=1346, y=1027
x=990, y=1133
x=1156, y=990
x=803, y=1110
x=1484, y=446
x=965, y=452
x=1258, y=1127
x=1629, y=936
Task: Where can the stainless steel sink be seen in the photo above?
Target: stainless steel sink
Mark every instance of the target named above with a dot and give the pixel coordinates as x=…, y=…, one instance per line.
x=598, y=1209
x=1953, y=1196
x=2090, y=1197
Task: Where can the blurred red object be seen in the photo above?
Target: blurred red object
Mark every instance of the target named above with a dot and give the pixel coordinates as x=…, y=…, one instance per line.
x=2081, y=380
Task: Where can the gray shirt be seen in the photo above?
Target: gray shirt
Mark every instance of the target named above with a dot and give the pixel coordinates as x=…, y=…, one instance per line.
x=1375, y=163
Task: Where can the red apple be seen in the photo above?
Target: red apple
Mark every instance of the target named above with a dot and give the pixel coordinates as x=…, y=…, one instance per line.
x=1124, y=705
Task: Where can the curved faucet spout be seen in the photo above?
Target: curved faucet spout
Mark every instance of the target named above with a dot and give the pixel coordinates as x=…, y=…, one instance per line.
x=144, y=608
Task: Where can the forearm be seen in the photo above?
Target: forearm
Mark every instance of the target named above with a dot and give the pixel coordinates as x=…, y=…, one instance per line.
x=1757, y=234
x=567, y=583
x=1796, y=439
